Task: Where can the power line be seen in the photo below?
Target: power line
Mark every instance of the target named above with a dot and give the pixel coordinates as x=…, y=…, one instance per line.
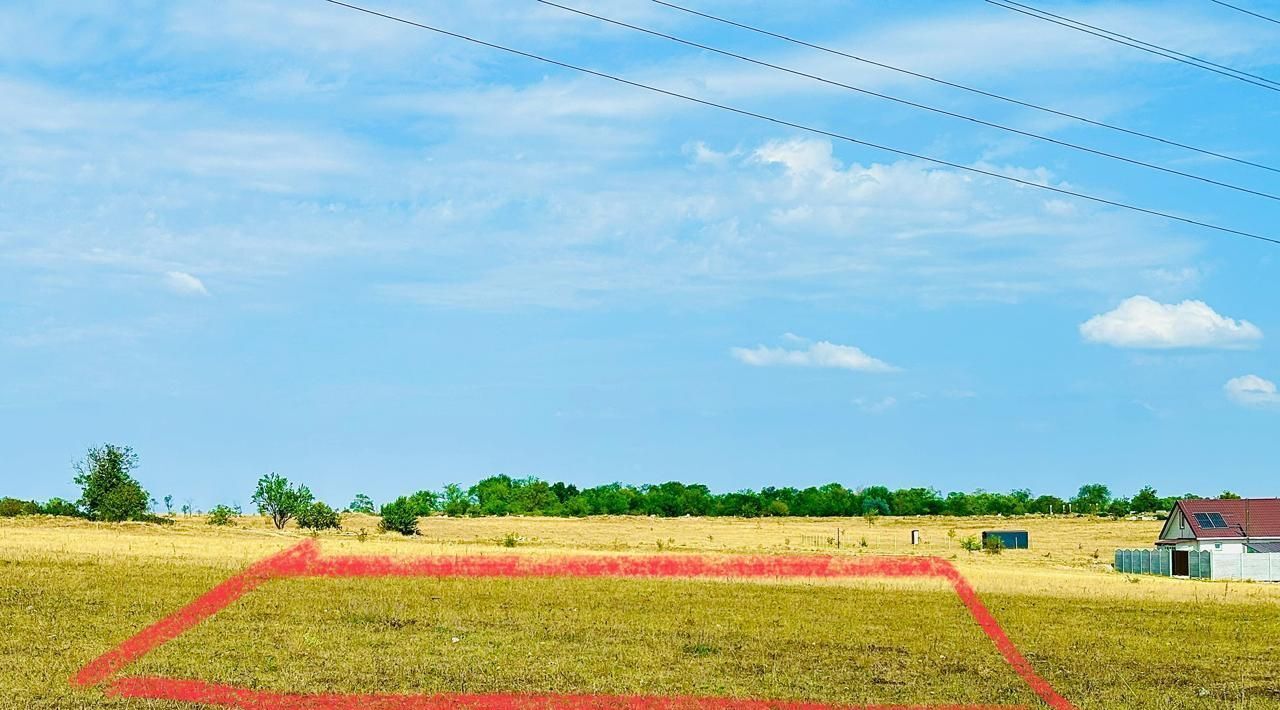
x=913, y=104
x=810, y=129
x=1128, y=41
x=962, y=87
x=1247, y=12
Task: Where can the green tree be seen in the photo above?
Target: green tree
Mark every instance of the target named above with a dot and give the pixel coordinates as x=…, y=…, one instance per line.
x=456, y=501
x=223, y=515
x=107, y=490
x=1091, y=498
x=362, y=504
x=58, y=506
x=400, y=515
x=425, y=502
x=1147, y=500
x=1228, y=495
x=279, y=499
x=12, y=507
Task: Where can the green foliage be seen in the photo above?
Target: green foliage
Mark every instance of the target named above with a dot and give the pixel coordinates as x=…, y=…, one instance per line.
x=1092, y=498
x=362, y=504
x=64, y=508
x=400, y=515
x=425, y=502
x=510, y=540
x=992, y=545
x=276, y=497
x=13, y=507
x=108, y=491
x=1228, y=495
x=319, y=516
x=223, y=515
x=456, y=501
x=970, y=544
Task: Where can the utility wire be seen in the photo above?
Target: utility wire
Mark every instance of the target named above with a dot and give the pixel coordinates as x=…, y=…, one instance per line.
x=810, y=129
x=912, y=104
x=1247, y=12
x=1126, y=40
x=963, y=87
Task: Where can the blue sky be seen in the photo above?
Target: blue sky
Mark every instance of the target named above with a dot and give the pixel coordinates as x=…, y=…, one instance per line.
x=281, y=236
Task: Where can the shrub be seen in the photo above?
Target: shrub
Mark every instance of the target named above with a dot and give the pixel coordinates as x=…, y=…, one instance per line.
x=319, y=516
x=13, y=507
x=510, y=540
x=223, y=515
x=108, y=491
x=970, y=544
x=993, y=545
x=400, y=515
x=58, y=506
x=281, y=500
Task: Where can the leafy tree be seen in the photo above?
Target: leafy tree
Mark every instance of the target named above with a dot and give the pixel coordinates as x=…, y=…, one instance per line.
x=108, y=491
x=1091, y=498
x=456, y=501
x=319, y=516
x=1146, y=500
x=276, y=497
x=425, y=502
x=1228, y=495
x=400, y=515
x=362, y=504
x=970, y=544
x=1118, y=508
x=168, y=504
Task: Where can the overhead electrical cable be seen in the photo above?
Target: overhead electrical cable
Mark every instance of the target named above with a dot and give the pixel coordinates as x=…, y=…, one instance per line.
x=811, y=129
x=952, y=84
x=1246, y=11
x=1126, y=40
x=912, y=104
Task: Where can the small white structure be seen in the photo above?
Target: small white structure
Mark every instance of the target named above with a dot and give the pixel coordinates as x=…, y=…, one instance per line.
x=1242, y=535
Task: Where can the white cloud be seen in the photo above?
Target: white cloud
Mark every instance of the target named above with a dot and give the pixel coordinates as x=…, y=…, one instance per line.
x=1140, y=322
x=184, y=283
x=876, y=406
x=819, y=354
x=1252, y=391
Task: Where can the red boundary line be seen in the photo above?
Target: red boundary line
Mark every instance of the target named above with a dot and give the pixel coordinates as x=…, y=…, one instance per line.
x=303, y=560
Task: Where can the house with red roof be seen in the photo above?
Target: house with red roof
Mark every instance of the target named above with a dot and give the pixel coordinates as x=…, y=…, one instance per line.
x=1231, y=527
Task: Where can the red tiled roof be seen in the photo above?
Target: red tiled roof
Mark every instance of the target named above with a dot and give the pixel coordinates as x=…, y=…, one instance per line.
x=1261, y=517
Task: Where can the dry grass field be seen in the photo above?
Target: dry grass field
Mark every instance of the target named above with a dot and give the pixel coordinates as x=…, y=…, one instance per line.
x=70, y=590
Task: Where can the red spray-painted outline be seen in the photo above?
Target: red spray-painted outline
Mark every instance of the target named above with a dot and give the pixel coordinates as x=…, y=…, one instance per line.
x=303, y=560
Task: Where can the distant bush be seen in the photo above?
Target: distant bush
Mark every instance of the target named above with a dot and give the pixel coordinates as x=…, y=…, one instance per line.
x=993, y=545
x=13, y=507
x=362, y=504
x=400, y=515
x=319, y=516
x=970, y=544
x=65, y=508
x=223, y=515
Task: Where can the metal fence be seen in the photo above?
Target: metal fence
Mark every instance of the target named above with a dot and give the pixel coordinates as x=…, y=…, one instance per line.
x=1160, y=562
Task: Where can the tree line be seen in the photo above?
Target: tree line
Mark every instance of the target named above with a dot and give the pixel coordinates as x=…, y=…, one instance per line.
x=109, y=492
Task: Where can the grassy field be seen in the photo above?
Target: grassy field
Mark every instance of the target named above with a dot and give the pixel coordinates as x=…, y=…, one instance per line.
x=70, y=590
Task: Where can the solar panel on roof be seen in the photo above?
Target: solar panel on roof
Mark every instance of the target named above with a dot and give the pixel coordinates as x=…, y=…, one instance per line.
x=1216, y=519
x=1202, y=519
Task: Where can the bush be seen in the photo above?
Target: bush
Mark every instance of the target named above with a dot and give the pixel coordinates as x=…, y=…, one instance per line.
x=13, y=507
x=362, y=504
x=993, y=545
x=223, y=515
x=400, y=515
x=58, y=506
x=970, y=544
x=319, y=516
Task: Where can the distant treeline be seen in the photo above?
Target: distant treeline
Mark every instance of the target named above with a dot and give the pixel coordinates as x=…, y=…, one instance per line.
x=504, y=495
x=110, y=493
